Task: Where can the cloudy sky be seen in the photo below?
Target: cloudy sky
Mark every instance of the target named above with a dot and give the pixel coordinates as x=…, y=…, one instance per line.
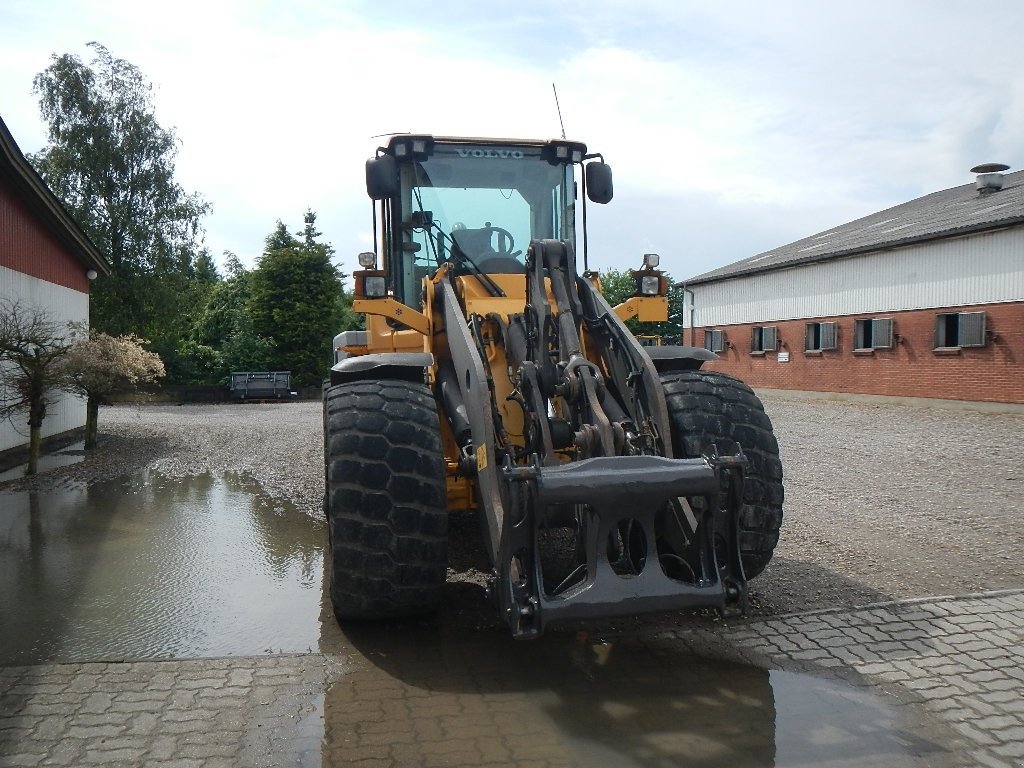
x=732, y=127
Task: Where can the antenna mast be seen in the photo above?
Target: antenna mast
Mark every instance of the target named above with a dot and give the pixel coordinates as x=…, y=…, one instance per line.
x=559, y=108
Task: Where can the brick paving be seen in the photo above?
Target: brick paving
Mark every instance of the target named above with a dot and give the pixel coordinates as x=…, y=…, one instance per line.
x=215, y=712
x=960, y=658
x=957, y=663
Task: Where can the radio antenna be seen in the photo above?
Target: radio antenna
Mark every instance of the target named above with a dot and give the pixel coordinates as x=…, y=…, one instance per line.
x=559, y=108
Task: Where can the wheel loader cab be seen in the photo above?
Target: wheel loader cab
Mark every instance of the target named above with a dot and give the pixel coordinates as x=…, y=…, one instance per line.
x=474, y=203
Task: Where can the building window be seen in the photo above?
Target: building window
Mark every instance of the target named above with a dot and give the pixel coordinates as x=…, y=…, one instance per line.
x=820, y=336
x=764, y=338
x=873, y=333
x=959, y=329
x=714, y=340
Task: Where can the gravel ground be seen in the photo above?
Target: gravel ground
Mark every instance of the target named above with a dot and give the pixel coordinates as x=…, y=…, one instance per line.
x=882, y=501
x=892, y=501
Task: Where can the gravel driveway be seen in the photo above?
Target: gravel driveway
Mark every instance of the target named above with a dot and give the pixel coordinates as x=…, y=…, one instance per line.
x=882, y=501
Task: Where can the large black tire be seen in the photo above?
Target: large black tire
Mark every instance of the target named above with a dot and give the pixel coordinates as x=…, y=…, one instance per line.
x=707, y=407
x=385, y=499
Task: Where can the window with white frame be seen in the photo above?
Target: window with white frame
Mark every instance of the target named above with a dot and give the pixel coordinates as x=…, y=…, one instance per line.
x=873, y=333
x=820, y=336
x=764, y=338
x=959, y=329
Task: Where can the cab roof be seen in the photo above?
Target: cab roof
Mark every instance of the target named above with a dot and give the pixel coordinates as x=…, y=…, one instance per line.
x=429, y=139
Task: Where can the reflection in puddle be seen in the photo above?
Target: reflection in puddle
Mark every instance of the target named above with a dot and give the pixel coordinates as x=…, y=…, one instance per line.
x=156, y=567
x=72, y=454
x=559, y=701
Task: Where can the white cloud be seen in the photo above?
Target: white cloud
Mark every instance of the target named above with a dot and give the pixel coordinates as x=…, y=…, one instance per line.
x=732, y=128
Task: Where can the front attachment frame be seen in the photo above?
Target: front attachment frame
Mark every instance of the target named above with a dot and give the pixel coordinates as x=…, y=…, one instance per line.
x=614, y=490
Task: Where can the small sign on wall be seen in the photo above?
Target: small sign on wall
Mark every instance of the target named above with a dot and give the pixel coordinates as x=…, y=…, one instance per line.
x=783, y=357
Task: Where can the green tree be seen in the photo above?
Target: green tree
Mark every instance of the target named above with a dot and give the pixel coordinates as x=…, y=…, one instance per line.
x=245, y=350
x=32, y=345
x=225, y=326
x=113, y=165
x=99, y=365
x=226, y=304
x=296, y=301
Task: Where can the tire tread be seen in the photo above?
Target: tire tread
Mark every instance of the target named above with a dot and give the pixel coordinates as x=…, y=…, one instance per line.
x=385, y=499
x=708, y=407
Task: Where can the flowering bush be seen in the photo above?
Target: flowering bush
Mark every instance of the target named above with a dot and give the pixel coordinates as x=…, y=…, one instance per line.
x=100, y=365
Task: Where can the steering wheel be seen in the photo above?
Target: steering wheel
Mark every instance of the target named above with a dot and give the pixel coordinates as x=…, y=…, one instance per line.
x=476, y=245
x=502, y=260
x=506, y=242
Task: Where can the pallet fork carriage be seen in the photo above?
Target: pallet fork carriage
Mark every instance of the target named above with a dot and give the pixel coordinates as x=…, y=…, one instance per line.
x=610, y=478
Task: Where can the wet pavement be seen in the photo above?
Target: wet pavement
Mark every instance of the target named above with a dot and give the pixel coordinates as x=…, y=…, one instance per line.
x=154, y=567
x=108, y=594
x=925, y=683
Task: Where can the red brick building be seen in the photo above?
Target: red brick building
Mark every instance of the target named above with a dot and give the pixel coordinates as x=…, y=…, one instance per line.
x=925, y=299
x=46, y=261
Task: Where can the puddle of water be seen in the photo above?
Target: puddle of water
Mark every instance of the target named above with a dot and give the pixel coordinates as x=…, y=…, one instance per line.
x=72, y=454
x=558, y=701
x=156, y=567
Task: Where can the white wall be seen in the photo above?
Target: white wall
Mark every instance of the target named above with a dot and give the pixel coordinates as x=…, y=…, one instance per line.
x=985, y=268
x=64, y=305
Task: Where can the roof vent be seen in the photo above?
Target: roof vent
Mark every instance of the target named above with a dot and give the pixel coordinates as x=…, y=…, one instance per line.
x=990, y=177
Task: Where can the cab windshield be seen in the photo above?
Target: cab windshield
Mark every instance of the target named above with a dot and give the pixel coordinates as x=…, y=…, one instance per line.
x=480, y=204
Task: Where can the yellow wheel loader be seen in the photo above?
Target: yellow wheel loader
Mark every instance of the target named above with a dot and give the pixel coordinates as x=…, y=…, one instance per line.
x=610, y=478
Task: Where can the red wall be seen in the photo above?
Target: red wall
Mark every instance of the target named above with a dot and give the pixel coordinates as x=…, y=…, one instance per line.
x=911, y=368
x=27, y=246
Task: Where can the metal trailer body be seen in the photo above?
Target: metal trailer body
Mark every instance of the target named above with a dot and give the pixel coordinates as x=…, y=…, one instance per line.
x=260, y=385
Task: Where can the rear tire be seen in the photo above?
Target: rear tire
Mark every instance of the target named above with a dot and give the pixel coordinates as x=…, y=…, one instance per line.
x=385, y=499
x=708, y=407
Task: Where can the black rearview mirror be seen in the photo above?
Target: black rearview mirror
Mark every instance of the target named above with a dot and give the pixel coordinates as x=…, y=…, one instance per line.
x=599, y=182
x=381, y=177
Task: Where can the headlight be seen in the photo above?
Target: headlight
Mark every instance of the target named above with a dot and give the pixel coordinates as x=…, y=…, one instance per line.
x=367, y=260
x=650, y=285
x=651, y=260
x=375, y=287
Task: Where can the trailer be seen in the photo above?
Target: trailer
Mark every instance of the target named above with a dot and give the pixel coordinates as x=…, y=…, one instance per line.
x=261, y=385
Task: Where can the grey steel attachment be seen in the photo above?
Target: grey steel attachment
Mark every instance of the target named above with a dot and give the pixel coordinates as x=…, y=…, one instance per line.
x=608, y=499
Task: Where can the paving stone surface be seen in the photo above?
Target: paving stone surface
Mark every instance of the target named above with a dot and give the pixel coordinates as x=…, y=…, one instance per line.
x=926, y=682
x=961, y=658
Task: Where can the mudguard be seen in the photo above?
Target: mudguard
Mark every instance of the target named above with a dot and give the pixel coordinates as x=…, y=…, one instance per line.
x=409, y=366
x=672, y=358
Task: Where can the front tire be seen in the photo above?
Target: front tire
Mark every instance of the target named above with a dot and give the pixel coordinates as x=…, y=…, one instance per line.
x=385, y=499
x=708, y=407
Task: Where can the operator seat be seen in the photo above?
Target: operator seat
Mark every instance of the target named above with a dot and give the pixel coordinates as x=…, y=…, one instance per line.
x=475, y=244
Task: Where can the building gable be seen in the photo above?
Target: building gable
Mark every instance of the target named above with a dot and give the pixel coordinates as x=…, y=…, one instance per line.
x=37, y=235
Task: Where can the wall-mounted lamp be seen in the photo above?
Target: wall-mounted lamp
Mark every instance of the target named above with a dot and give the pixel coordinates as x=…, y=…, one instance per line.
x=92, y=274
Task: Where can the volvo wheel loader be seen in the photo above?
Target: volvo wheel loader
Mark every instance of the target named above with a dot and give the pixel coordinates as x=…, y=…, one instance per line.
x=610, y=478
